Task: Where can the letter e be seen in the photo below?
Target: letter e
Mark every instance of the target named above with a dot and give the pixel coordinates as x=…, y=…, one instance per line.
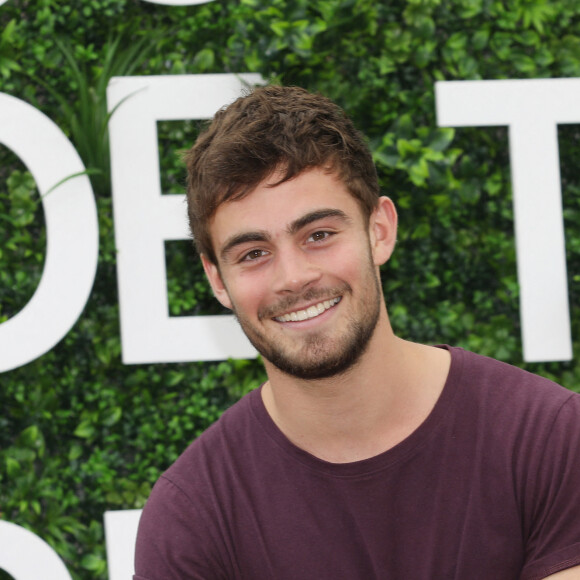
x=144, y=218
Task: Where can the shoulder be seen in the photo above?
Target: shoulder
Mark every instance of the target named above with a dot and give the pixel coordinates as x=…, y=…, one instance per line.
x=520, y=416
x=527, y=430
x=181, y=528
x=505, y=389
x=177, y=538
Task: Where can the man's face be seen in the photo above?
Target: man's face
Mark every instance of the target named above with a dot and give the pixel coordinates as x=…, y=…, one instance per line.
x=298, y=266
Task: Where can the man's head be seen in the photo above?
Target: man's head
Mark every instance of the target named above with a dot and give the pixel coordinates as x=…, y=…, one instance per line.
x=283, y=130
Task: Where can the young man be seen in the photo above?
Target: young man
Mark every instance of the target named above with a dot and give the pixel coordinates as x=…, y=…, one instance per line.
x=363, y=456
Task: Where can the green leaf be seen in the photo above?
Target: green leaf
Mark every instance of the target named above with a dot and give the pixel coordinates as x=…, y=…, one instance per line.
x=480, y=39
x=524, y=63
x=12, y=466
x=441, y=139
x=204, y=59
x=93, y=563
x=423, y=230
x=113, y=417
x=75, y=452
x=280, y=28
x=383, y=158
x=85, y=430
x=419, y=172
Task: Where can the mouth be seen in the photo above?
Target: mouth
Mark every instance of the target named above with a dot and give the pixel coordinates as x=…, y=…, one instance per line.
x=310, y=312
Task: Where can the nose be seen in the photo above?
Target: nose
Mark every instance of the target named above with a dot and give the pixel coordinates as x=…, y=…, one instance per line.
x=294, y=272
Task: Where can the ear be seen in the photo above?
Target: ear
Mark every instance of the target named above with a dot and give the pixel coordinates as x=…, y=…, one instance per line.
x=383, y=230
x=215, y=280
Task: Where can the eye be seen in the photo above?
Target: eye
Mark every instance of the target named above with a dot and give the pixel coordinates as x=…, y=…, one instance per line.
x=253, y=255
x=319, y=236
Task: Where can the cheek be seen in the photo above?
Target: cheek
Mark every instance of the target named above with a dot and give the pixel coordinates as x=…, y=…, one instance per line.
x=246, y=294
x=350, y=263
x=360, y=269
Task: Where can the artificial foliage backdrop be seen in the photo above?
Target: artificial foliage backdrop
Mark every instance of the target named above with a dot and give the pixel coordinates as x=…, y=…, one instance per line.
x=82, y=433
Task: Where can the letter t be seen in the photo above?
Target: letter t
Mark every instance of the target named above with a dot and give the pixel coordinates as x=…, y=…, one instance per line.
x=531, y=109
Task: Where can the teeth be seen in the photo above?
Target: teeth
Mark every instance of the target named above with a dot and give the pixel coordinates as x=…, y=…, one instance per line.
x=310, y=312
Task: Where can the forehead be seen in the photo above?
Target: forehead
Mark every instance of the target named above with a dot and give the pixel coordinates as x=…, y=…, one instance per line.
x=271, y=208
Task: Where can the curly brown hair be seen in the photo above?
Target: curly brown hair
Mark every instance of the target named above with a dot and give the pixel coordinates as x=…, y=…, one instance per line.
x=273, y=129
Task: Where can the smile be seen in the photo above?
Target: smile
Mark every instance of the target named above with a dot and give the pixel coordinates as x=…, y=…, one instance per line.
x=310, y=312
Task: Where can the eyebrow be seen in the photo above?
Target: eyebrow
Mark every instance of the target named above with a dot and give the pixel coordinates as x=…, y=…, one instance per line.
x=316, y=215
x=293, y=228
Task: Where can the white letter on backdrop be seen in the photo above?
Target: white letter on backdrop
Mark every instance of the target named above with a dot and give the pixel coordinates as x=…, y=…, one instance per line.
x=121, y=534
x=25, y=556
x=145, y=219
x=72, y=234
x=531, y=109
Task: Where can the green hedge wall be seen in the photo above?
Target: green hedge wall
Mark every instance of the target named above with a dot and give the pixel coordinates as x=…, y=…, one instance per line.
x=81, y=433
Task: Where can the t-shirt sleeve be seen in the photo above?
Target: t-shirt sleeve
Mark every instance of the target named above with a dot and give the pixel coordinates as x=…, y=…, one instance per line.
x=553, y=498
x=173, y=540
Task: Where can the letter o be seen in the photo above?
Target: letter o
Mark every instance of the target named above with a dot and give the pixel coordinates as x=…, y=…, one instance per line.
x=72, y=234
x=25, y=556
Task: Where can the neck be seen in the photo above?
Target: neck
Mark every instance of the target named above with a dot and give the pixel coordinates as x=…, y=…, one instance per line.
x=368, y=409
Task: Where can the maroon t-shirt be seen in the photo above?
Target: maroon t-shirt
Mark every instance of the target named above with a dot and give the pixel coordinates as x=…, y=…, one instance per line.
x=487, y=488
